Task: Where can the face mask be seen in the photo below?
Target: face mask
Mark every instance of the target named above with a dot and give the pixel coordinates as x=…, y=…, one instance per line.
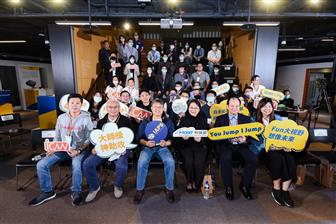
x=186, y=45
x=198, y=47
x=172, y=47
x=185, y=99
x=248, y=95
x=287, y=96
x=181, y=59
x=178, y=88
x=216, y=70
x=210, y=99
x=132, y=61
x=164, y=71
x=220, y=44
x=165, y=59
x=197, y=87
x=149, y=71
x=97, y=99
x=153, y=48
x=235, y=89
x=115, y=83
x=214, y=48
x=172, y=96
x=197, y=97
x=214, y=86
x=130, y=44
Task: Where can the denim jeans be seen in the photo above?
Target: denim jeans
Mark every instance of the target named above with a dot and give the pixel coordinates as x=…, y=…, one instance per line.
x=90, y=170
x=145, y=157
x=44, y=165
x=211, y=68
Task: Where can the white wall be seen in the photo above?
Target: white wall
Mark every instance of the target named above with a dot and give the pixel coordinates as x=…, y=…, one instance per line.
x=19, y=64
x=292, y=77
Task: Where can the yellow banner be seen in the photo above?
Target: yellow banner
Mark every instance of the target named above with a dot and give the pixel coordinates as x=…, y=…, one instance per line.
x=285, y=135
x=249, y=129
x=275, y=95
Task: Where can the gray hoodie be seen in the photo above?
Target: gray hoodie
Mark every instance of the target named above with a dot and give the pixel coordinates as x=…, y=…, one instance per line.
x=78, y=128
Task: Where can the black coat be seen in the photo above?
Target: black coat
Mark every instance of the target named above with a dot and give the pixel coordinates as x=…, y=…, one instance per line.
x=121, y=122
x=199, y=123
x=104, y=60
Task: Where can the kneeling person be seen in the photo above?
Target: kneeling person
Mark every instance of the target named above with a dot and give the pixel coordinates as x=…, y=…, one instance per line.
x=121, y=164
x=73, y=127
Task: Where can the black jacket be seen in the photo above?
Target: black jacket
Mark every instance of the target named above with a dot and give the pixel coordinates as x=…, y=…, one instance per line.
x=223, y=120
x=199, y=123
x=104, y=60
x=121, y=122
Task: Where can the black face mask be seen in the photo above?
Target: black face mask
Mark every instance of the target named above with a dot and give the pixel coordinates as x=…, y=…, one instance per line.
x=197, y=97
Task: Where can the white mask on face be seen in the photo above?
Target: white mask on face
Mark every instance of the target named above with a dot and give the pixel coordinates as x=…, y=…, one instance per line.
x=132, y=60
x=130, y=44
x=97, y=99
x=214, y=48
x=165, y=59
x=149, y=71
x=153, y=48
x=198, y=47
x=178, y=88
x=216, y=71
x=115, y=83
x=210, y=99
x=181, y=58
x=235, y=89
x=164, y=71
x=184, y=98
x=214, y=86
x=172, y=47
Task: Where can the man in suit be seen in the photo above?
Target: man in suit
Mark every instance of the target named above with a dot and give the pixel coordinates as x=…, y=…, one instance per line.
x=225, y=149
x=104, y=61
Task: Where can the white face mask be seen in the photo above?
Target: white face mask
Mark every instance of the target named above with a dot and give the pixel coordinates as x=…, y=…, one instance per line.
x=181, y=59
x=153, y=48
x=97, y=99
x=172, y=47
x=235, y=89
x=130, y=44
x=186, y=45
x=164, y=71
x=165, y=59
x=178, y=88
x=149, y=71
x=197, y=87
x=214, y=86
x=115, y=83
x=132, y=60
x=216, y=71
x=198, y=47
x=220, y=43
x=214, y=48
x=210, y=100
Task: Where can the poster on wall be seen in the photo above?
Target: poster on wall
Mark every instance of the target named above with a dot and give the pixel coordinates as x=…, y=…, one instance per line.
x=30, y=73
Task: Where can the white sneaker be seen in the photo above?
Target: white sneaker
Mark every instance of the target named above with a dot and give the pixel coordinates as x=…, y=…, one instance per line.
x=92, y=195
x=118, y=192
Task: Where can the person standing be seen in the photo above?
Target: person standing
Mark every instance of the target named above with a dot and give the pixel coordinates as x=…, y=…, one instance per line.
x=104, y=61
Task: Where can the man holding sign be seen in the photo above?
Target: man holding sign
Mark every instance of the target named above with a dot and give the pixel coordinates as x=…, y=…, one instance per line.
x=155, y=135
x=121, y=164
x=74, y=128
x=225, y=149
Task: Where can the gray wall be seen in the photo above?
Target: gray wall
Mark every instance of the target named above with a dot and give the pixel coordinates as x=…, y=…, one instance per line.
x=266, y=50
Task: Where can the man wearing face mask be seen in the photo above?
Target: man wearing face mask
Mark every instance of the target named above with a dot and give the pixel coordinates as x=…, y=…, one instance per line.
x=287, y=101
x=198, y=54
x=214, y=57
x=181, y=62
x=138, y=44
x=210, y=100
x=235, y=91
x=187, y=50
x=172, y=53
x=153, y=58
x=197, y=93
x=169, y=65
x=178, y=87
x=165, y=80
x=182, y=77
x=130, y=50
x=104, y=54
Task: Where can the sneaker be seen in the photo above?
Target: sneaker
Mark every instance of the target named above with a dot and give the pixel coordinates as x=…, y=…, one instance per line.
x=288, y=201
x=92, y=195
x=42, y=197
x=138, y=196
x=76, y=198
x=118, y=192
x=277, y=196
x=169, y=195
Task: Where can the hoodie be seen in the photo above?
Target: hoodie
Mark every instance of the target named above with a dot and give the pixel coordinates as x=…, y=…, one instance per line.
x=78, y=128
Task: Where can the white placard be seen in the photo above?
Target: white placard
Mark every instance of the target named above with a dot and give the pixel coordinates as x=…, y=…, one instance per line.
x=224, y=88
x=179, y=106
x=190, y=132
x=7, y=117
x=48, y=134
x=320, y=132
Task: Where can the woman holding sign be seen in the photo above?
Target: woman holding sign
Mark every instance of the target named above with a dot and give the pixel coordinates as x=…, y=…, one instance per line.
x=194, y=151
x=155, y=135
x=281, y=164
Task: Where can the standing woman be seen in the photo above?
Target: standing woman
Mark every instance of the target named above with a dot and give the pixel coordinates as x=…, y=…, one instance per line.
x=121, y=47
x=281, y=164
x=132, y=71
x=194, y=151
x=151, y=83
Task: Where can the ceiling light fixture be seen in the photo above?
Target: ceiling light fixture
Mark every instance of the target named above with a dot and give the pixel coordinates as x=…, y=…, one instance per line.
x=82, y=23
x=291, y=49
x=254, y=23
x=328, y=40
x=158, y=23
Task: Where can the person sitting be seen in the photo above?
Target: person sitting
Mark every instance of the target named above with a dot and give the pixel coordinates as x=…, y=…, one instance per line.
x=134, y=92
x=144, y=101
x=73, y=127
x=182, y=62
x=151, y=83
x=132, y=71
x=153, y=58
x=150, y=148
x=172, y=53
x=114, y=90
x=199, y=54
x=169, y=65
x=200, y=76
x=182, y=77
x=165, y=80
x=217, y=75
x=178, y=87
x=130, y=50
x=235, y=90
x=194, y=151
x=287, y=101
x=95, y=104
x=248, y=99
x=281, y=164
x=197, y=93
x=187, y=50
x=256, y=86
x=91, y=163
x=226, y=148
x=214, y=56
x=125, y=98
x=211, y=100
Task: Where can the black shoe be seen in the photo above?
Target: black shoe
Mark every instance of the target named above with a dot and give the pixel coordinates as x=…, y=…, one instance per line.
x=169, y=195
x=277, y=196
x=229, y=193
x=246, y=192
x=190, y=190
x=42, y=197
x=76, y=198
x=138, y=196
x=288, y=201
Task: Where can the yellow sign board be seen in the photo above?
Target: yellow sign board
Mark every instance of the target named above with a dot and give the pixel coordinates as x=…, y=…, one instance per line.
x=285, y=135
x=217, y=110
x=249, y=129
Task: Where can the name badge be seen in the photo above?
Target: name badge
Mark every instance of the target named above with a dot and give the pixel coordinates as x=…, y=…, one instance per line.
x=198, y=79
x=114, y=72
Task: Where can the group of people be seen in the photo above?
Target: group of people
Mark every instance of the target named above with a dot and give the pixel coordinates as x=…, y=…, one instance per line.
x=157, y=94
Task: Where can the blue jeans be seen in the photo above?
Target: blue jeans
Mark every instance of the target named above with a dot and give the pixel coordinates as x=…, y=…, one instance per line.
x=44, y=165
x=90, y=170
x=145, y=157
x=211, y=68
